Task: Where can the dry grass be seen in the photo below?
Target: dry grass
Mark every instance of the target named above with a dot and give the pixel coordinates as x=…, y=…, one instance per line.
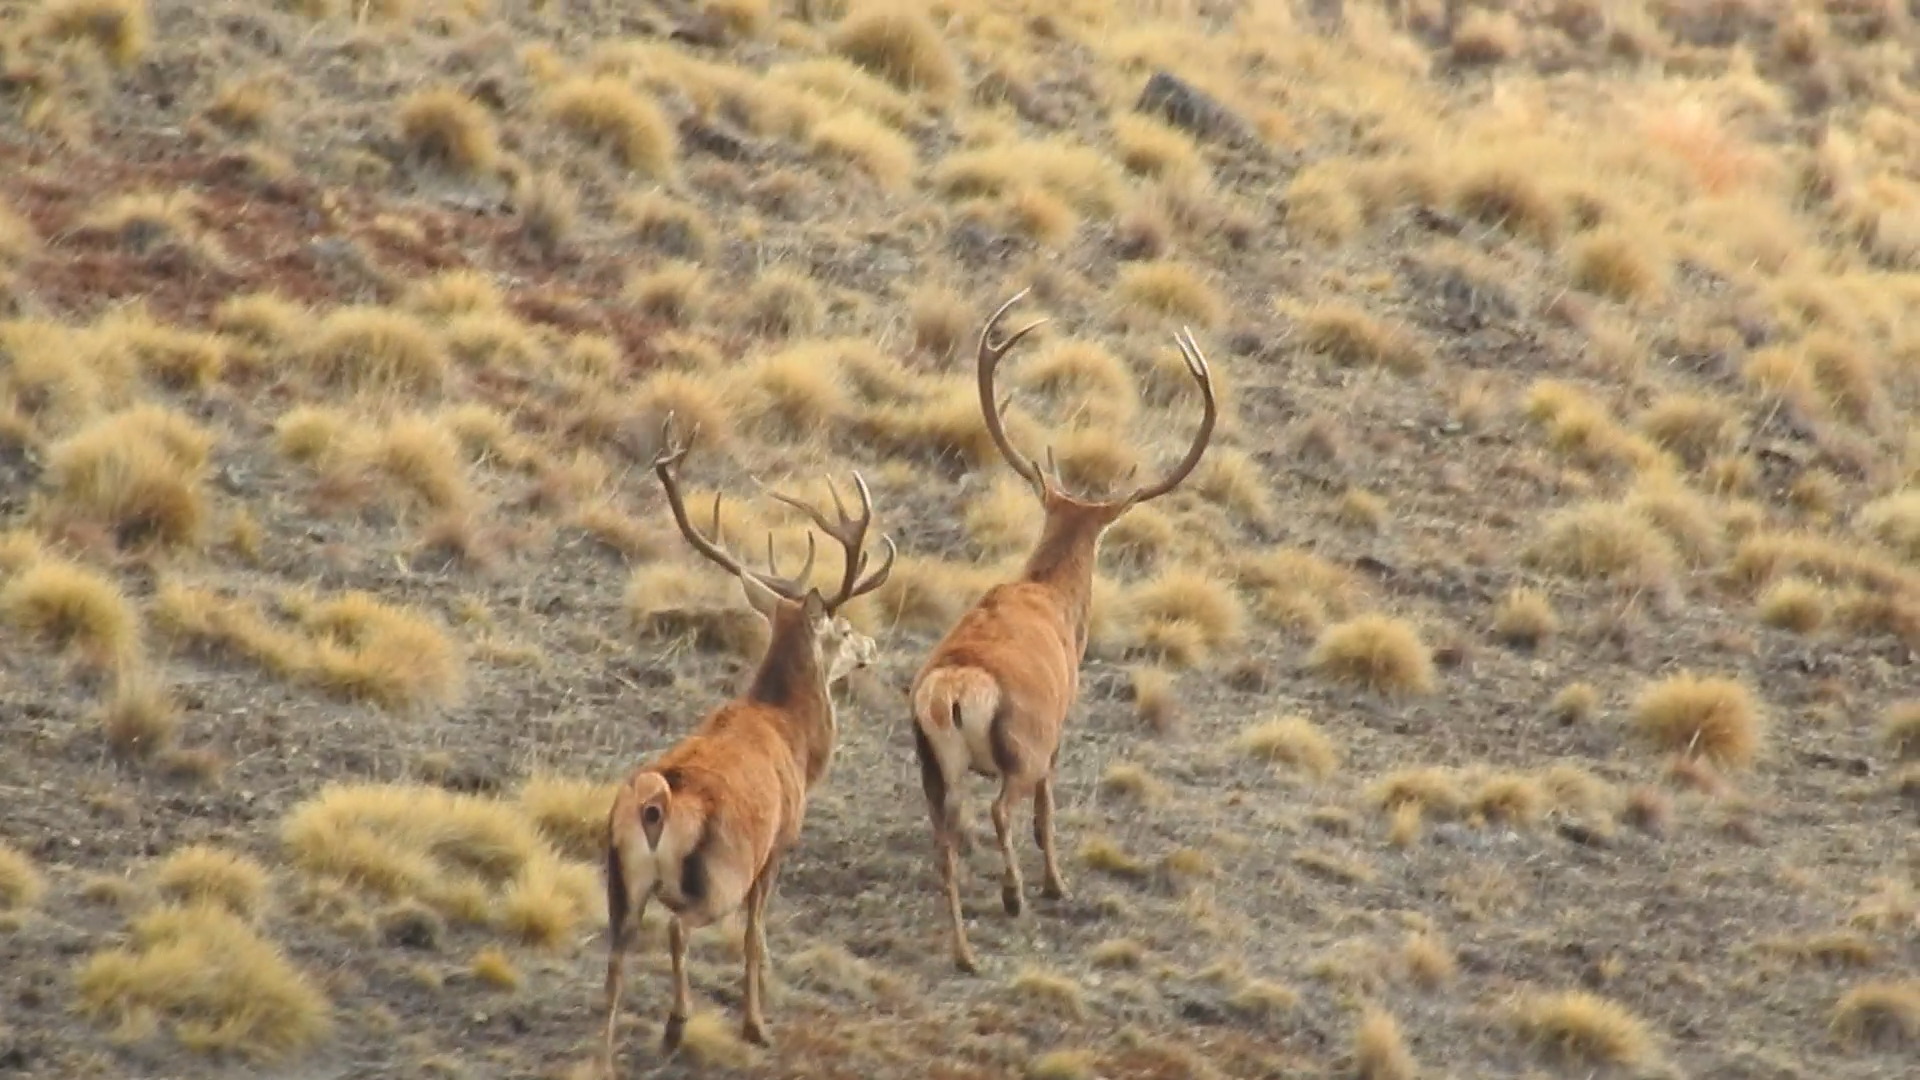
x=610, y=115
x=71, y=607
x=120, y=29
x=1879, y=1015
x=1292, y=741
x=901, y=46
x=138, y=473
x=1525, y=618
x=1584, y=1029
x=21, y=885
x=204, y=874
x=1348, y=335
x=220, y=985
x=1171, y=290
x=1379, y=1053
x=447, y=128
x=1713, y=717
x=1900, y=730
x=1378, y=652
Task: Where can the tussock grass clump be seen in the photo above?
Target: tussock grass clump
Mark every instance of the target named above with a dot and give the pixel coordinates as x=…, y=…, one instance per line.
x=1379, y=652
x=794, y=394
x=1293, y=741
x=468, y=858
x=222, y=985
x=1049, y=990
x=1379, y=1053
x=1185, y=616
x=1900, y=730
x=1507, y=196
x=1295, y=588
x=1063, y=1065
x=1618, y=264
x=675, y=293
x=1795, y=604
x=901, y=46
x=1692, y=427
x=21, y=885
x=447, y=128
x=1598, y=541
x=1079, y=176
x=204, y=874
x=378, y=350
x=1084, y=376
x=1171, y=289
x=493, y=967
x=1130, y=780
x=1346, y=334
x=137, y=472
x=1004, y=519
x=1525, y=618
x=119, y=29
x=393, y=657
x=1155, y=150
x=1583, y=1028
x=784, y=303
x=571, y=813
x=610, y=115
x=1894, y=521
x=1713, y=717
x=69, y=606
x=1880, y=1015
x=869, y=146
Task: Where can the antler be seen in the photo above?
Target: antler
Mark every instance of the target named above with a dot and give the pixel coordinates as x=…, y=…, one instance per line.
x=851, y=533
x=1197, y=367
x=990, y=355
x=671, y=454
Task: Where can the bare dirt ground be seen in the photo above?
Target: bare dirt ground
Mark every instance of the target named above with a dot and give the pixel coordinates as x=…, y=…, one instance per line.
x=1524, y=686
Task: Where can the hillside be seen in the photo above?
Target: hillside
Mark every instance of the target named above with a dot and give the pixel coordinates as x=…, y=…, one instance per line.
x=1524, y=685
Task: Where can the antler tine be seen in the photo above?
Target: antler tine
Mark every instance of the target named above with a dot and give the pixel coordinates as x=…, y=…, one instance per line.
x=850, y=531
x=878, y=577
x=664, y=463
x=989, y=359
x=1203, y=375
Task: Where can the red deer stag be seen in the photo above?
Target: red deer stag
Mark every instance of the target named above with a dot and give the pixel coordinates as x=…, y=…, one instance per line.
x=994, y=694
x=703, y=827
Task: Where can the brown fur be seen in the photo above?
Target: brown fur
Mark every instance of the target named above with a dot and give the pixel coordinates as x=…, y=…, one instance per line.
x=993, y=697
x=703, y=827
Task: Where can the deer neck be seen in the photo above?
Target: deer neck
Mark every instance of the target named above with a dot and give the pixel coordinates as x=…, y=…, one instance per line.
x=1063, y=561
x=791, y=678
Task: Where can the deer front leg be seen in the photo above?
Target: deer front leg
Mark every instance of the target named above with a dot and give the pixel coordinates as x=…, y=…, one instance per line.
x=1052, y=887
x=682, y=995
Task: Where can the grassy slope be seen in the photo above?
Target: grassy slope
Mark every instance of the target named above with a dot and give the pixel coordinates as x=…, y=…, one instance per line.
x=1564, y=352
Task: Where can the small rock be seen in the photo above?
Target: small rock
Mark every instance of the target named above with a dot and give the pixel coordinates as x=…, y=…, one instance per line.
x=1186, y=106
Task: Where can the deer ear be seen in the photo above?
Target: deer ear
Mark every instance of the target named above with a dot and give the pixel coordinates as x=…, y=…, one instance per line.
x=815, y=606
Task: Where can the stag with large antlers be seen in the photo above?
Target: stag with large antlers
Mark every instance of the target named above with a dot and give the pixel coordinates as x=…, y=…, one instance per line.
x=993, y=697
x=703, y=827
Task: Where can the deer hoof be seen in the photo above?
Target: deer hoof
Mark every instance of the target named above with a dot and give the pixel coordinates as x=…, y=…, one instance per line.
x=670, y=1038
x=755, y=1032
x=1010, y=899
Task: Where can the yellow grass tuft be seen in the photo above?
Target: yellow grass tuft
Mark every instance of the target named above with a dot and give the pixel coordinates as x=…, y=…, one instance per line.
x=1692, y=427
x=1428, y=960
x=21, y=885
x=1174, y=290
x=869, y=146
x=493, y=967
x=471, y=859
x=393, y=657
x=1713, y=717
x=1050, y=991
x=901, y=46
x=447, y=128
x=223, y=987
x=1132, y=781
x=1598, y=541
x=1347, y=334
x=1884, y=1014
x=675, y=293
x=1185, y=616
x=611, y=115
x=1379, y=1053
x=1079, y=177
x=1293, y=741
x=376, y=350
x=204, y=874
x=1525, y=618
x=1063, y=1065
x=571, y=813
x=1379, y=652
x=710, y=1040
x=70, y=606
x=1618, y=264
x=1894, y=522
x=1900, y=730
x=1153, y=700
x=119, y=29
x=1584, y=1029
x=1795, y=604
x=137, y=472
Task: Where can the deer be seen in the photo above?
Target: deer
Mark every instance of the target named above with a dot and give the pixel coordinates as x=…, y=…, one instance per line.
x=992, y=696
x=704, y=826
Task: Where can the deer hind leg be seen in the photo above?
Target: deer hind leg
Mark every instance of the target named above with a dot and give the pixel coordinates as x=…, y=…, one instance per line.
x=682, y=1003
x=621, y=921
x=1011, y=886
x=943, y=807
x=1051, y=887
x=754, y=1025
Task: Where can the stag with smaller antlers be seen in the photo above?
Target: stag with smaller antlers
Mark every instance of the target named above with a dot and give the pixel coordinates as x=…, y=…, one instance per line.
x=993, y=697
x=703, y=827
